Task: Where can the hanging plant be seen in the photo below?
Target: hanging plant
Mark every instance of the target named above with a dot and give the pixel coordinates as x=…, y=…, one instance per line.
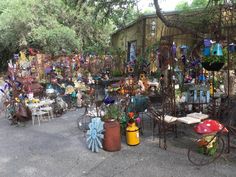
x=216, y=60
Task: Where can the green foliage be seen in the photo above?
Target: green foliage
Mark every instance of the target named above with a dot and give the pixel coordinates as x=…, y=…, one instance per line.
x=123, y=17
x=184, y=5
x=55, y=24
x=199, y=3
x=54, y=39
x=215, y=58
x=113, y=111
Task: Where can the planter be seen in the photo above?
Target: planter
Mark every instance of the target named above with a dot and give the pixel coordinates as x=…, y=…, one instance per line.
x=212, y=66
x=112, y=139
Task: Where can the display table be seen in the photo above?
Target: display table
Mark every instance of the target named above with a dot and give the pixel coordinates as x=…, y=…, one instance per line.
x=45, y=102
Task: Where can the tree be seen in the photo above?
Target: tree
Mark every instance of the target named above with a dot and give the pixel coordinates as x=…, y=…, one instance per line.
x=195, y=23
x=21, y=21
x=196, y=4
x=37, y=22
x=183, y=5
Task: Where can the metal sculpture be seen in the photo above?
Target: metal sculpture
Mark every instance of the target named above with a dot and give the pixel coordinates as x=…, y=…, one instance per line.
x=95, y=134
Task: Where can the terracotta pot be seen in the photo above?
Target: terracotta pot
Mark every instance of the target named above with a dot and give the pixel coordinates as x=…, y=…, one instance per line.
x=212, y=66
x=112, y=139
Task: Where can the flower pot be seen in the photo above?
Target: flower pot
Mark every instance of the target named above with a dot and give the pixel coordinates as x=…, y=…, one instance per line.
x=112, y=139
x=215, y=66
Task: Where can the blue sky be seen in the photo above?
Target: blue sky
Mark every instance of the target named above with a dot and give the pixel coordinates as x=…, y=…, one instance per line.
x=166, y=5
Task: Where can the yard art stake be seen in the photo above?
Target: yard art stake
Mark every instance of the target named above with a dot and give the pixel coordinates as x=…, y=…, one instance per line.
x=95, y=134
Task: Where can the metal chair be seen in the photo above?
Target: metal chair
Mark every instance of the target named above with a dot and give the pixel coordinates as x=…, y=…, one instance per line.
x=163, y=119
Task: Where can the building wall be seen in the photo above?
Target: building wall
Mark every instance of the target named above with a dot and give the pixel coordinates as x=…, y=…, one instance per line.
x=142, y=33
x=133, y=33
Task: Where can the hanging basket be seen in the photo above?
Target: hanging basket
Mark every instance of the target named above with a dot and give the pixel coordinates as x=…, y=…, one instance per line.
x=216, y=66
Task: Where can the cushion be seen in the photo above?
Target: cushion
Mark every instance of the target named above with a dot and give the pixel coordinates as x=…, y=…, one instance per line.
x=198, y=115
x=188, y=120
x=170, y=119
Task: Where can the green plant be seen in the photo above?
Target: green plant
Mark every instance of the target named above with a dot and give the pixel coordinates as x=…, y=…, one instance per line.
x=113, y=112
x=215, y=58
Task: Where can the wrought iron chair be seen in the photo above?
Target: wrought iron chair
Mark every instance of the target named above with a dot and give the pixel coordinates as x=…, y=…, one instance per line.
x=163, y=117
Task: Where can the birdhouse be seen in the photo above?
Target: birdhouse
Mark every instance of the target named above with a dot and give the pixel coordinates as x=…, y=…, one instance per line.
x=207, y=43
x=232, y=47
x=183, y=49
x=217, y=50
x=207, y=51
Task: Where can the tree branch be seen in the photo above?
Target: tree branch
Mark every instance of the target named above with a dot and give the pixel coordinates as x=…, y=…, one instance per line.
x=172, y=24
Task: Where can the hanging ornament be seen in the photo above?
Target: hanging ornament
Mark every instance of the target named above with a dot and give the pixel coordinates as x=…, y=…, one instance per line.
x=173, y=49
x=207, y=43
x=16, y=56
x=183, y=49
x=232, y=47
x=183, y=58
x=207, y=51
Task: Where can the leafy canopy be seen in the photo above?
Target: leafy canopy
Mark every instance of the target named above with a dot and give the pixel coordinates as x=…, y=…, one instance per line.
x=55, y=24
x=195, y=4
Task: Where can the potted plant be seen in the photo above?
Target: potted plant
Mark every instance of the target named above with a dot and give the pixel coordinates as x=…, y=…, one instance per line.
x=112, y=136
x=216, y=60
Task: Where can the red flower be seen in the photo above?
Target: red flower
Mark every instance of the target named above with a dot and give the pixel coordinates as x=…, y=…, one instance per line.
x=131, y=115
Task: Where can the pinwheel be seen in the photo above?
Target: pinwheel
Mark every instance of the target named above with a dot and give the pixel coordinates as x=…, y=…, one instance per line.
x=95, y=134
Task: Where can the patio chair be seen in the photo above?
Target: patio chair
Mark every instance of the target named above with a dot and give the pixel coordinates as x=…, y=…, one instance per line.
x=38, y=114
x=165, y=122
